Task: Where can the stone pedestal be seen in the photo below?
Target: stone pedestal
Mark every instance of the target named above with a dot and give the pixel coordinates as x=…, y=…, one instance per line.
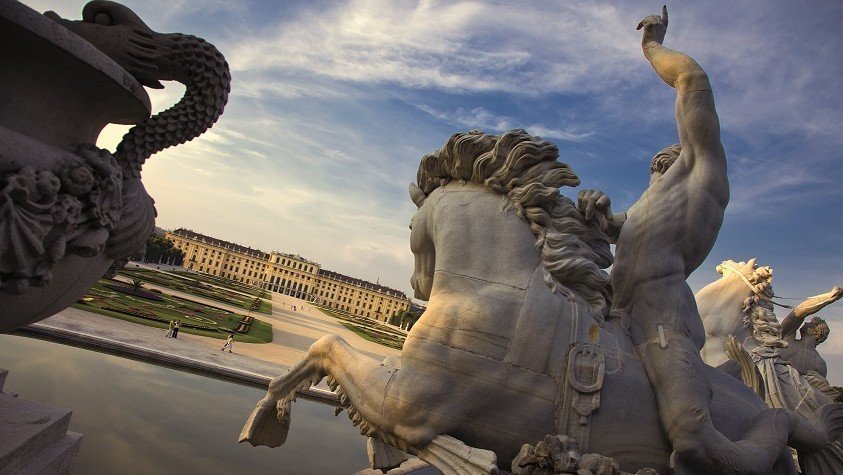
x=34, y=438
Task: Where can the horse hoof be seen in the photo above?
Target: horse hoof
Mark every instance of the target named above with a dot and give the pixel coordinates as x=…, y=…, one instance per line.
x=267, y=426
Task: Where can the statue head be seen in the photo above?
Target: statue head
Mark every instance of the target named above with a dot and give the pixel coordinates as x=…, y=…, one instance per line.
x=663, y=160
x=817, y=329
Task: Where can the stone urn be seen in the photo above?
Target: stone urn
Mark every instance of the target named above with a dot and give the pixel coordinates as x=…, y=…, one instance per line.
x=69, y=210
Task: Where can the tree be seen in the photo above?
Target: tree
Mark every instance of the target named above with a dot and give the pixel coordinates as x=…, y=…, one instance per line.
x=162, y=250
x=406, y=319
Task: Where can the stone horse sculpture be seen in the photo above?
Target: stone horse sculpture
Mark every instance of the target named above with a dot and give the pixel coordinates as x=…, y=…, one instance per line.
x=740, y=304
x=745, y=339
x=517, y=341
x=69, y=210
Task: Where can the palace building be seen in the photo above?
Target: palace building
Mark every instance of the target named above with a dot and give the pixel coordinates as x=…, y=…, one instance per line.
x=288, y=274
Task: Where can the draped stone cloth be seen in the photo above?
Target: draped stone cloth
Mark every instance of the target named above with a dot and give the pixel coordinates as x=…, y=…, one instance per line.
x=784, y=387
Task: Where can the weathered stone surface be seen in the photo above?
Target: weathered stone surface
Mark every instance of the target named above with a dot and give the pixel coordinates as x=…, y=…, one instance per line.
x=35, y=438
x=382, y=456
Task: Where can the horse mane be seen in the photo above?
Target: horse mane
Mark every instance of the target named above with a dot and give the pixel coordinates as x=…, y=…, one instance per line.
x=525, y=169
x=757, y=309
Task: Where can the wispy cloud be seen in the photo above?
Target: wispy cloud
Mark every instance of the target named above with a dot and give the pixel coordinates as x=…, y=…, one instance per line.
x=467, y=46
x=480, y=118
x=764, y=189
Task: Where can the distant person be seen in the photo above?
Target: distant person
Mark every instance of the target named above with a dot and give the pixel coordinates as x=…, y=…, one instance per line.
x=170, y=329
x=228, y=342
x=176, y=329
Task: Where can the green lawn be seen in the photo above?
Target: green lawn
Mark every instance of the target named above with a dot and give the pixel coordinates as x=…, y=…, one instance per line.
x=196, y=318
x=368, y=329
x=193, y=284
x=224, y=282
x=367, y=335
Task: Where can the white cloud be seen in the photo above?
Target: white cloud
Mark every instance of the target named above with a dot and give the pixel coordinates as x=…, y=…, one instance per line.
x=480, y=118
x=467, y=46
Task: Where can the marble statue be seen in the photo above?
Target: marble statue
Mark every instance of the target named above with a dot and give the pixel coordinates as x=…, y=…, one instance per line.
x=523, y=345
x=69, y=210
x=741, y=327
x=802, y=353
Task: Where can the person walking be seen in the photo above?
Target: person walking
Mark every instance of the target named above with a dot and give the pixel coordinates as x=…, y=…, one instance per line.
x=228, y=342
x=176, y=329
x=170, y=329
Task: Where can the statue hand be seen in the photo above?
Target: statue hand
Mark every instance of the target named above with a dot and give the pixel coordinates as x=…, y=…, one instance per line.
x=655, y=27
x=589, y=201
x=814, y=304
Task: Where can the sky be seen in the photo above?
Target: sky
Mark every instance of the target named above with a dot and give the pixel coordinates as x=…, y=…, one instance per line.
x=333, y=103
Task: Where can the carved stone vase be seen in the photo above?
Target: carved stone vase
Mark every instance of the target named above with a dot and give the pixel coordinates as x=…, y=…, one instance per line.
x=59, y=196
x=69, y=210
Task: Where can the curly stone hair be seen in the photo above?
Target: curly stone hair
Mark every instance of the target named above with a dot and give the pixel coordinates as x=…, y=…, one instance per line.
x=665, y=158
x=818, y=326
x=757, y=308
x=525, y=169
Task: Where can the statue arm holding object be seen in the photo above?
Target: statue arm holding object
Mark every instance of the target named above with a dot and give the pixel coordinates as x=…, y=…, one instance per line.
x=696, y=117
x=810, y=306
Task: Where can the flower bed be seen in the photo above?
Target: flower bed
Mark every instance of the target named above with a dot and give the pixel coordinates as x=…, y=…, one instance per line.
x=136, y=292
x=149, y=316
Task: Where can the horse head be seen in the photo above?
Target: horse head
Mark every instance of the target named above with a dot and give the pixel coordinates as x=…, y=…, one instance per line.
x=738, y=304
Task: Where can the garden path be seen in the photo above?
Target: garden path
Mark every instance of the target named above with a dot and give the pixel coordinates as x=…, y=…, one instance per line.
x=294, y=331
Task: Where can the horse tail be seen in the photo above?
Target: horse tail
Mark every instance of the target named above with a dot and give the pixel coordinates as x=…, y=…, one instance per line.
x=829, y=459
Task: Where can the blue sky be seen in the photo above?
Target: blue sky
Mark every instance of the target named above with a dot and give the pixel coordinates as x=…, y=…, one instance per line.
x=334, y=103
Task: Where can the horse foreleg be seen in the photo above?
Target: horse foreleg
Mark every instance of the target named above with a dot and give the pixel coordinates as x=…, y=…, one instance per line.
x=359, y=381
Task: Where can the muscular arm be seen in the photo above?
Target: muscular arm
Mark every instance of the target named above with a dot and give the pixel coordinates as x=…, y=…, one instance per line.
x=692, y=195
x=696, y=117
x=810, y=306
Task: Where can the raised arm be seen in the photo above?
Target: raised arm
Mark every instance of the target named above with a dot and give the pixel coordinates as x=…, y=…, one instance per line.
x=696, y=117
x=810, y=306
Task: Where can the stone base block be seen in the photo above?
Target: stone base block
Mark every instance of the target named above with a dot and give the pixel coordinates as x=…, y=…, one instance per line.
x=34, y=436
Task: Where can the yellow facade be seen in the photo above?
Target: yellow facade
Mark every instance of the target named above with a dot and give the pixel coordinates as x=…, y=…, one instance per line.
x=288, y=274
